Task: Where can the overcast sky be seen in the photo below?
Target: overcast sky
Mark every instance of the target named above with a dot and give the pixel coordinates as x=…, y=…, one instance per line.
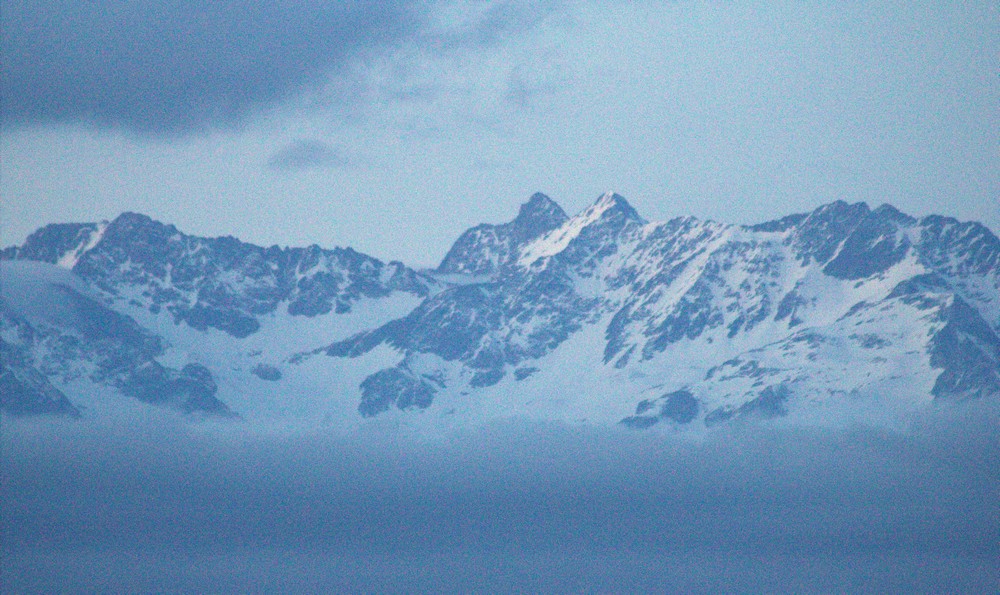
x=392, y=126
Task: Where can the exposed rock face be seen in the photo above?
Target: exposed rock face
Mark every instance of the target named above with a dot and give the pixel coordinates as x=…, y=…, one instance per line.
x=700, y=322
x=204, y=283
x=191, y=389
x=74, y=336
x=797, y=301
x=486, y=249
x=26, y=391
x=267, y=372
x=219, y=283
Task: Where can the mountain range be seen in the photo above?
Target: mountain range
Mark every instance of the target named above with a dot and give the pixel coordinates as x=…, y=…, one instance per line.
x=844, y=313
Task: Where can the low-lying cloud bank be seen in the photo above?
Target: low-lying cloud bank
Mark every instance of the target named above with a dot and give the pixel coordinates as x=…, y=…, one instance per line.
x=166, y=504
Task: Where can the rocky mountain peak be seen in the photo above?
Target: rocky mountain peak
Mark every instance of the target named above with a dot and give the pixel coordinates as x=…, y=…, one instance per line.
x=487, y=248
x=682, y=322
x=540, y=212
x=596, y=229
x=137, y=226
x=53, y=242
x=821, y=233
x=890, y=213
x=612, y=204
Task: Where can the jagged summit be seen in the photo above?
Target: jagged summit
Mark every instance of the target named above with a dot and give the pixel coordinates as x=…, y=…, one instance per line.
x=540, y=212
x=613, y=204
x=541, y=228
x=486, y=248
x=58, y=243
x=891, y=213
x=598, y=225
x=718, y=321
x=599, y=316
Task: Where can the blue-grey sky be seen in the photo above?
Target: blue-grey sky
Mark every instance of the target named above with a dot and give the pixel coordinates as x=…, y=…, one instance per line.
x=392, y=126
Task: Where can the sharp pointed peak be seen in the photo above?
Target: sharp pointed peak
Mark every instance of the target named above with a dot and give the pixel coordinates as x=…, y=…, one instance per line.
x=609, y=203
x=537, y=216
x=484, y=248
x=540, y=198
x=540, y=206
x=611, y=197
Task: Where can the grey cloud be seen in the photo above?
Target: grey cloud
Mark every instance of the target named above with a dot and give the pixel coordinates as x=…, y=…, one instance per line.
x=515, y=507
x=178, y=67
x=306, y=154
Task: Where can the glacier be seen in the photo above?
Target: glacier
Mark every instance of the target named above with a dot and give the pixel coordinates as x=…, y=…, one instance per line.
x=843, y=315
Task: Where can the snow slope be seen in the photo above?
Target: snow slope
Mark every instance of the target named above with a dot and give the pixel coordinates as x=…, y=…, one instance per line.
x=842, y=315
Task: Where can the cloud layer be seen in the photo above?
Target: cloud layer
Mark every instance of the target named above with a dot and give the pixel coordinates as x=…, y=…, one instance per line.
x=150, y=506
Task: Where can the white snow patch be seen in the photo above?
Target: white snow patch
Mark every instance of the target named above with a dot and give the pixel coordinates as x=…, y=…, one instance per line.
x=71, y=257
x=555, y=241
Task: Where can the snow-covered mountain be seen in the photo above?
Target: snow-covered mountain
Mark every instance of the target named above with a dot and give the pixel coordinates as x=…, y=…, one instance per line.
x=842, y=313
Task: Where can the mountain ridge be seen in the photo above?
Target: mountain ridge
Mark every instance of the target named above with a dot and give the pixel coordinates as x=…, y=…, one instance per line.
x=698, y=321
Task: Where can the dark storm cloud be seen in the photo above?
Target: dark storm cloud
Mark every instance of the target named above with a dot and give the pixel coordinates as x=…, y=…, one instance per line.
x=511, y=507
x=305, y=154
x=176, y=66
